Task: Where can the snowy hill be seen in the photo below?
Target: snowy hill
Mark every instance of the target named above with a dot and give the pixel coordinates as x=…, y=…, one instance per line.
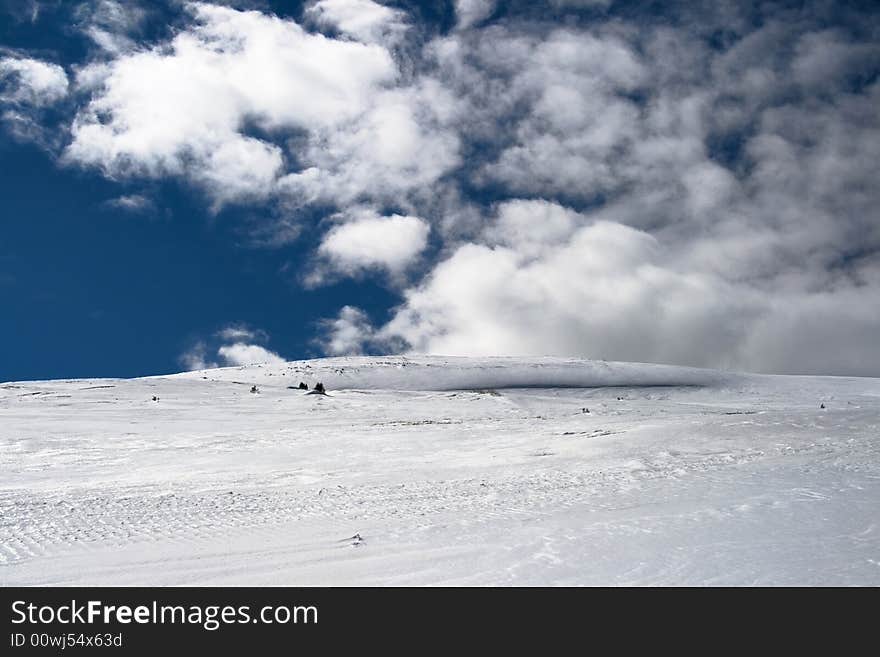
x=451, y=470
x=460, y=373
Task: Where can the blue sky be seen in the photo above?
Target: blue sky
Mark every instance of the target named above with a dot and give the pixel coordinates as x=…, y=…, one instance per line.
x=111, y=294
x=200, y=184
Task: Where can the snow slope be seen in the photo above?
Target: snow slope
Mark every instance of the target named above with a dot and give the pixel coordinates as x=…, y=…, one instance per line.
x=451, y=470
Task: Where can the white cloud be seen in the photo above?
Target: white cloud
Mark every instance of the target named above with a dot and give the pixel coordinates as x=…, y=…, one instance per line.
x=195, y=358
x=373, y=241
x=237, y=346
x=240, y=353
x=603, y=293
x=29, y=88
x=134, y=203
x=579, y=120
x=469, y=12
x=363, y=20
x=110, y=24
x=828, y=59
x=530, y=226
x=181, y=108
x=604, y=290
x=729, y=199
x=240, y=333
x=346, y=335
x=31, y=81
x=336, y=122
x=404, y=141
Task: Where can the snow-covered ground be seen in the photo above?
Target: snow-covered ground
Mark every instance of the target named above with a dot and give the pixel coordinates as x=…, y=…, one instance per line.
x=432, y=470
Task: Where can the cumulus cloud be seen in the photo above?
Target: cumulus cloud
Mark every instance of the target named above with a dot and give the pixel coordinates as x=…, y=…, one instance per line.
x=725, y=196
x=530, y=226
x=569, y=285
x=232, y=346
x=29, y=88
x=372, y=241
x=604, y=292
x=348, y=334
x=468, y=12
x=110, y=24
x=181, y=108
x=403, y=142
x=579, y=120
x=363, y=20
x=252, y=107
x=240, y=353
x=611, y=291
x=31, y=81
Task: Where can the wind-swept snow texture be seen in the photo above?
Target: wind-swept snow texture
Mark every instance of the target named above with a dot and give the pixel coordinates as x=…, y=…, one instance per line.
x=432, y=470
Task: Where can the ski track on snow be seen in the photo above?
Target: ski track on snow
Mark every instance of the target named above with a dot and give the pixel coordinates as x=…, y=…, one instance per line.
x=451, y=470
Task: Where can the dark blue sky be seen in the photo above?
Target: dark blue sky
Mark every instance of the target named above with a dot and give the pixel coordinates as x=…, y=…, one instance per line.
x=88, y=290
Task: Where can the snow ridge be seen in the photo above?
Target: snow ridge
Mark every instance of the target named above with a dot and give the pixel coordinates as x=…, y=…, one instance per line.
x=440, y=373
